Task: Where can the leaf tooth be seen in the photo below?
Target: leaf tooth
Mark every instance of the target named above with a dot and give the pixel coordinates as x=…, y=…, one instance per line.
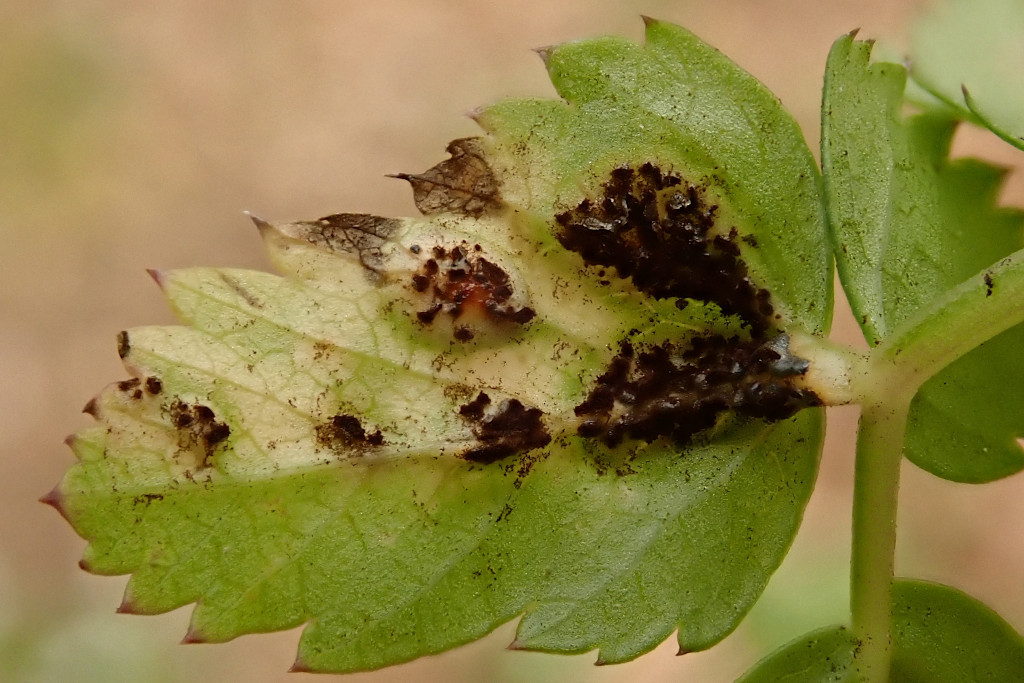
x=516, y=644
x=476, y=113
x=55, y=499
x=90, y=408
x=257, y=221
x=301, y=667
x=193, y=636
x=159, y=277
x=128, y=604
x=545, y=52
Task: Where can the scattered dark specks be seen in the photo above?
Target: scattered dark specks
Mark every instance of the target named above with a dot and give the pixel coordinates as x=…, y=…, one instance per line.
x=463, y=184
x=662, y=233
x=346, y=435
x=503, y=430
x=989, y=284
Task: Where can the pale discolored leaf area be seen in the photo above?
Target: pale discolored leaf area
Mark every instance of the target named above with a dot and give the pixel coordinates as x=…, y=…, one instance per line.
x=901, y=214
x=565, y=392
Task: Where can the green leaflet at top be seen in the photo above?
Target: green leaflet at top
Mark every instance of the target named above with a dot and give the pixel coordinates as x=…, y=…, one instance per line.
x=908, y=224
x=565, y=391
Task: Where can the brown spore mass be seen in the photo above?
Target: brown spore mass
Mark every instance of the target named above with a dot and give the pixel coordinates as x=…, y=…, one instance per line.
x=346, y=433
x=197, y=427
x=660, y=232
x=679, y=391
x=503, y=430
x=461, y=283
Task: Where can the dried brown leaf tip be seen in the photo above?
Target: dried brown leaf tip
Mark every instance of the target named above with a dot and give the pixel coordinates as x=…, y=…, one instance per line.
x=463, y=184
x=359, y=234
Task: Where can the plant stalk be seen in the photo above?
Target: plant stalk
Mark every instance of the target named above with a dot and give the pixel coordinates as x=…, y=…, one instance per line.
x=876, y=488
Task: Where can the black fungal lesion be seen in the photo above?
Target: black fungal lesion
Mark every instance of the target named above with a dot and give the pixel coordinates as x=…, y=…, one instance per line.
x=679, y=391
x=462, y=284
x=345, y=434
x=660, y=232
x=463, y=184
x=137, y=387
x=502, y=430
x=198, y=429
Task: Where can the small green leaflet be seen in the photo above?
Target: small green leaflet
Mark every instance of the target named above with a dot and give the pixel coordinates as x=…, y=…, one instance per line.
x=402, y=441
x=939, y=635
x=901, y=215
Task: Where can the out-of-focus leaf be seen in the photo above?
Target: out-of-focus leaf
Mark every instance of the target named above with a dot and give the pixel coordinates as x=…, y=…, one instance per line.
x=902, y=217
x=970, y=54
x=939, y=635
x=404, y=443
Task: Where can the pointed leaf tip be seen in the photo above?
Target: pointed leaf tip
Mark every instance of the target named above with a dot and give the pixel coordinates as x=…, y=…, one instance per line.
x=54, y=499
x=475, y=113
x=545, y=52
x=90, y=408
x=127, y=605
x=515, y=645
x=157, y=275
x=300, y=667
x=257, y=221
x=193, y=636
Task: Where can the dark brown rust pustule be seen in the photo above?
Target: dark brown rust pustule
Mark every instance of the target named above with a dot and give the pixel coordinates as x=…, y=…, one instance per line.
x=679, y=391
x=464, y=285
x=661, y=232
x=198, y=428
x=503, y=430
x=345, y=433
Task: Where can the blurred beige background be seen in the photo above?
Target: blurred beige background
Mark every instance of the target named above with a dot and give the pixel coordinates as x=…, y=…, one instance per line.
x=133, y=135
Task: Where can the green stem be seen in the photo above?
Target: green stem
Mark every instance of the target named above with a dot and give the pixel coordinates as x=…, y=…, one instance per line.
x=876, y=487
x=965, y=317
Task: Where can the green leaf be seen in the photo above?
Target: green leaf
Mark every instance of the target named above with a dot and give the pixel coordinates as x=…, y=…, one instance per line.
x=942, y=634
x=970, y=56
x=828, y=654
x=901, y=213
x=939, y=635
x=404, y=441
